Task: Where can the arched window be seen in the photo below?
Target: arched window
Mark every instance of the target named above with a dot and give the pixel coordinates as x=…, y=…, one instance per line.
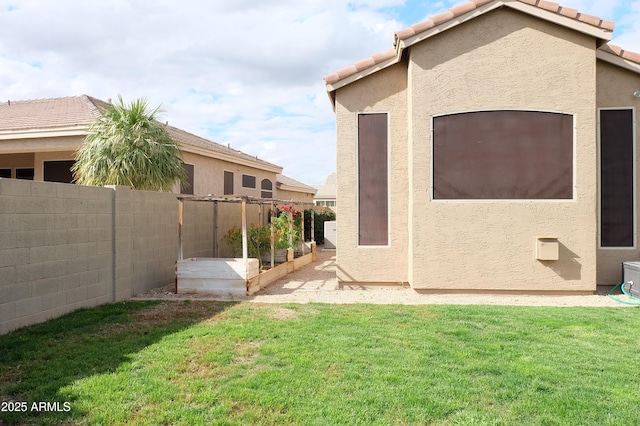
x=267, y=188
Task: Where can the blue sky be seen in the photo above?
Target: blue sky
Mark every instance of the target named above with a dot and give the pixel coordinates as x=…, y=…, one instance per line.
x=242, y=72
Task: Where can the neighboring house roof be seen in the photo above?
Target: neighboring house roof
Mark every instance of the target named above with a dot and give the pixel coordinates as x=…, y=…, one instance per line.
x=328, y=190
x=286, y=183
x=24, y=117
x=71, y=116
x=416, y=33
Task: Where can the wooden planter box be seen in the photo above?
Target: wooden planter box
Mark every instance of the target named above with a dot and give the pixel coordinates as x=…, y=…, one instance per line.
x=222, y=277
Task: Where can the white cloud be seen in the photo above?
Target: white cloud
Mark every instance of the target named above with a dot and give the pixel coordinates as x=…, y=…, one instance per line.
x=243, y=72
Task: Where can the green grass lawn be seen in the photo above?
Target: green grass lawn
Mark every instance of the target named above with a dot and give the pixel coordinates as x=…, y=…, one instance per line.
x=240, y=363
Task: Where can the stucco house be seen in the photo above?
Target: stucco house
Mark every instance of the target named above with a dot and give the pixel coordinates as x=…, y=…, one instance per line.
x=38, y=139
x=326, y=194
x=493, y=148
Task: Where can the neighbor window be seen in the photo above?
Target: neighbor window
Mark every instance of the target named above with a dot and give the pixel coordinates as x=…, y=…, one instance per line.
x=228, y=183
x=26, y=174
x=58, y=171
x=373, y=203
x=503, y=155
x=187, y=186
x=267, y=188
x=5, y=173
x=248, y=181
x=617, y=178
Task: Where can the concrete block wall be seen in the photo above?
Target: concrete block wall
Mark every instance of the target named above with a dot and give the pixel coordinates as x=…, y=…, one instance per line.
x=64, y=247
x=56, y=249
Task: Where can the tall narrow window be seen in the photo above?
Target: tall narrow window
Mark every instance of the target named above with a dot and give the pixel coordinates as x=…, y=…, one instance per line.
x=228, y=183
x=616, y=178
x=187, y=187
x=373, y=203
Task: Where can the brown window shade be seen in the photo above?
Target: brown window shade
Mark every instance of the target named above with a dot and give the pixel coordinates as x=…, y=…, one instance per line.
x=616, y=178
x=266, y=185
x=187, y=187
x=503, y=155
x=26, y=174
x=373, y=205
x=58, y=171
x=228, y=183
x=248, y=181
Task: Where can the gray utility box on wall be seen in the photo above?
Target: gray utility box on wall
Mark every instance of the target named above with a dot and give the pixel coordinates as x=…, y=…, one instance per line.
x=631, y=277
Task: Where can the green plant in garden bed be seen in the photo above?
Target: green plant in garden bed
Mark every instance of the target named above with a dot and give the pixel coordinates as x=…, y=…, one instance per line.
x=259, y=237
x=215, y=363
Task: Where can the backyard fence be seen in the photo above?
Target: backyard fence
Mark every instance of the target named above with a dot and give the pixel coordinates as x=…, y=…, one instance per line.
x=64, y=246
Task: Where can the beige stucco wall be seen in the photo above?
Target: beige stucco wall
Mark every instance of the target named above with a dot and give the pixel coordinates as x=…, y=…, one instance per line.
x=615, y=90
x=16, y=161
x=209, y=176
x=301, y=197
x=384, y=91
x=502, y=60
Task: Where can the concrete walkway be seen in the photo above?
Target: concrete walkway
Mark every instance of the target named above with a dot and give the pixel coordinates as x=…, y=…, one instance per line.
x=317, y=282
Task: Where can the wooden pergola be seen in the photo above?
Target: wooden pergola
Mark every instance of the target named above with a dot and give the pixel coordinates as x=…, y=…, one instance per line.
x=244, y=200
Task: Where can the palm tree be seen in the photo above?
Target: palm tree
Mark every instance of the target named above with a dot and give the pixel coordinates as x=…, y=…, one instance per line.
x=127, y=146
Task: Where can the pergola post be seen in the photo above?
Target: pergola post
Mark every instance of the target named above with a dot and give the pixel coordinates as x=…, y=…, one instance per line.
x=180, y=217
x=313, y=225
x=216, y=251
x=273, y=236
x=245, y=245
x=291, y=226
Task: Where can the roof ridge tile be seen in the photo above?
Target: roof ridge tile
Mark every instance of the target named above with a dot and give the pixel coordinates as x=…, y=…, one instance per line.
x=460, y=10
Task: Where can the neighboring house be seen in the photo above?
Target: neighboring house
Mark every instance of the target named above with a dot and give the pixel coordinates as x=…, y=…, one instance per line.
x=290, y=189
x=38, y=139
x=493, y=149
x=326, y=194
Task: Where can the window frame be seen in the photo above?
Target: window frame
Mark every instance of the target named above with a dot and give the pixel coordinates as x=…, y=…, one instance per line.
x=504, y=200
x=226, y=173
x=635, y=177
x=192, y=183
x=357, y=175
x=255, y=181
x=266, y=192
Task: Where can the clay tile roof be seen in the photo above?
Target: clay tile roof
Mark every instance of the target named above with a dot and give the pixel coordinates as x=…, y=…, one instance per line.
x=291, y=183
x=451, y=15
x=463, y=8
x=360, y=66
x=625, y=54
x=70, y=111
x=186, y=138
x=81, y=111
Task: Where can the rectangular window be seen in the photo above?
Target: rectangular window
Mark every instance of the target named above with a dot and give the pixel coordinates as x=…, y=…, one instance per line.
x=266, y=194
x=617, y=178
x=373, y=202
x=58, y=171
x=228, y=183
x=187, y=187
x=5, y=173
x=248, y=181
x=503, y=155
x=26, y=174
